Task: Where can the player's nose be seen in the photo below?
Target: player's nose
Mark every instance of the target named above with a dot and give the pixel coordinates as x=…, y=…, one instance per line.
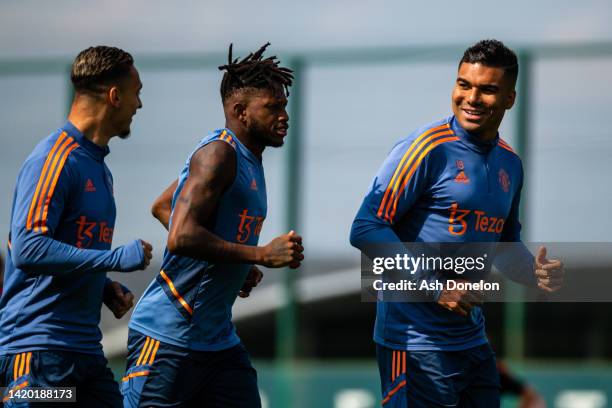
x=473, y=96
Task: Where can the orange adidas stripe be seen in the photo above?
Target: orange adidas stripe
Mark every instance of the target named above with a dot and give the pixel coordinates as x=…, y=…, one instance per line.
x=393, y=391
x=393, y=365
x=146, y=345
x=175, y=292
x=408, y=164
x=415, y=166
x=401, y=163
x=22, y=364
x=154, y=352
x=16, y=367
x=146, y=356
x=136, y=374
x=48, y=176
x=399, y=364
x=222, y=135
x=15, y=388
x=29, y=357
x=502, y=143
x=52, y=189
x=42, y=176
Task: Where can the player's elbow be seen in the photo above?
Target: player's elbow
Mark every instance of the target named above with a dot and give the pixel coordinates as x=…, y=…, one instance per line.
x=160, y=209
x=19, y=260
x=355, y=237
x=22, y=255
x=155, y=209
x=365, y=232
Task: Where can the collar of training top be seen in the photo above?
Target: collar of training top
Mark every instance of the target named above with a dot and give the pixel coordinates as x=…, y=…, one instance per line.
x=471, y=140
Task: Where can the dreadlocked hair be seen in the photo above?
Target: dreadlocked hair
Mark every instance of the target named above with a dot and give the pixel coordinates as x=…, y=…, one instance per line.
x=253, y=72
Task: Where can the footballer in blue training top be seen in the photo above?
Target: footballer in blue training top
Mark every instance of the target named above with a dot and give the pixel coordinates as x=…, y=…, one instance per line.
x=454, y=180
x=183, y=349
x=61, y=233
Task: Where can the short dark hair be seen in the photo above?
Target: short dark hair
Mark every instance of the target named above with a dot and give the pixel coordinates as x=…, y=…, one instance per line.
x=492, y=53
x=254, y=72
x=95, y=67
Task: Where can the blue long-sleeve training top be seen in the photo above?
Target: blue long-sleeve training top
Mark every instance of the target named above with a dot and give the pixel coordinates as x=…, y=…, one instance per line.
x=62, y=223
x=440, y=184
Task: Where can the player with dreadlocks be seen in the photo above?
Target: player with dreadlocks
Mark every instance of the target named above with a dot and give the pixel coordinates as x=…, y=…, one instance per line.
x=183, y=347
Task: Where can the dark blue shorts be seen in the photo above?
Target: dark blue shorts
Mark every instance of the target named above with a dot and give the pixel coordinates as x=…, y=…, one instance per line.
x=162, y=375
x=89, y=373
x=435, y=379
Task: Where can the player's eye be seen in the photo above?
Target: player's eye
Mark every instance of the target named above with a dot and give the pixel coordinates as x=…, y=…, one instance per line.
x=489, y=90
x=463, y=85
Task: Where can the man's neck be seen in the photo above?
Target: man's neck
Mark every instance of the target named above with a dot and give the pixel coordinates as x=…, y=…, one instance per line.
x=89, y=120
x=487, y=136
x=246, y=138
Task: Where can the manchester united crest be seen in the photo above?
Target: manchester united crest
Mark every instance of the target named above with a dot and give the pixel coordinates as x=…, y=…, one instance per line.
x=504, y=180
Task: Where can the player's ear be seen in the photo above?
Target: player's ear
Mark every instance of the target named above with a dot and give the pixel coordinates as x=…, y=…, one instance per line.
x=113, y=95
x=511, y=99
x=239, y=110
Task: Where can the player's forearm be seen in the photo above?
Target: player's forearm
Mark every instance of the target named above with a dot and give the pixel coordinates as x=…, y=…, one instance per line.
x=199, y=243
x=377, y=239
x=516, y=262
x=39, y=254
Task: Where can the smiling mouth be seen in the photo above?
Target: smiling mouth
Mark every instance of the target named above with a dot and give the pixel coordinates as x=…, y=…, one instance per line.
x=282, y=131
x=474, y=114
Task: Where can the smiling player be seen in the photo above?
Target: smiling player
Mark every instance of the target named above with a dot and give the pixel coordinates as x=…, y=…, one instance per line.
x=454, y=180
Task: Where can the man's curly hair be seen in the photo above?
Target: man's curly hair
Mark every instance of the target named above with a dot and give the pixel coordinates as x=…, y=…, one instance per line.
x=253, y=71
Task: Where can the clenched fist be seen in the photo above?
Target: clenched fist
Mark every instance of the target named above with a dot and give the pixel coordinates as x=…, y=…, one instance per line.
x=285, y=250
